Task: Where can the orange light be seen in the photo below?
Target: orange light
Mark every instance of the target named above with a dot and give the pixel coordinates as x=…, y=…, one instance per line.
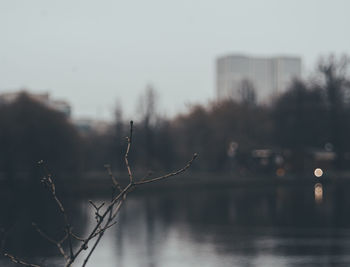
x=318, y=191
x=280, y=172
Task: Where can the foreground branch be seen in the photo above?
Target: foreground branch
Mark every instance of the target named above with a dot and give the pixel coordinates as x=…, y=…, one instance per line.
x=18, y=261
x=156, y=179
x=105, y=214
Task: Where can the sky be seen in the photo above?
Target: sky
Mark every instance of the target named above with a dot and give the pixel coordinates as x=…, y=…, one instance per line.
x=96, y=54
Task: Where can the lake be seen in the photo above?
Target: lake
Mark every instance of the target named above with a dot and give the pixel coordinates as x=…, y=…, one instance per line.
x=284, y=225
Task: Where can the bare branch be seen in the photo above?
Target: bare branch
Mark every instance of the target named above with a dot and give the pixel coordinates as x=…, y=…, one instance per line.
x=169, y=174
x=100, y=235
x=105, y=218
x=114, y=180
x=92, y=249
x=53, y=241
x=19, y=261
x=148, y=175
x=47, y=180
x=103, y=229
x=121, y=197
x=118, y=207
x=126, y=157
x=97, y=208
x=44, y=235
x=77, y=237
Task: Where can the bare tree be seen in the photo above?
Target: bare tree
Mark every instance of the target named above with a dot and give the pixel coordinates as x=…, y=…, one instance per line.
x=147, y=109
x=247, y=92
x=148, y=106
x=105, y=214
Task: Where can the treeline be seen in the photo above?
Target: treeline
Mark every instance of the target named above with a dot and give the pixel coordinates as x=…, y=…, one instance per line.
x=307, y=125
x=29, y=132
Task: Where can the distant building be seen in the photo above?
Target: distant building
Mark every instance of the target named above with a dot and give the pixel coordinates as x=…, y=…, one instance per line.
x=43, y=98
x=269, y=76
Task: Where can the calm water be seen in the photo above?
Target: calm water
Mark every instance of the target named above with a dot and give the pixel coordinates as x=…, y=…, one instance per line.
x=250, y=226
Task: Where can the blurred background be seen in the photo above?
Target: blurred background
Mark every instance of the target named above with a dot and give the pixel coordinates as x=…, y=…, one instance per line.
x=261, y=90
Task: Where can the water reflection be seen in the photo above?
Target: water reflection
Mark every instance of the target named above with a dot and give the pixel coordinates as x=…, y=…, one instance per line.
x=318, y=193
x=277, y=226
x=26, y=202
x=255, y=226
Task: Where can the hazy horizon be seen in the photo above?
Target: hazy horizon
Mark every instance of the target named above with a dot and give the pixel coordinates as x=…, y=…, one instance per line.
x=94, y=54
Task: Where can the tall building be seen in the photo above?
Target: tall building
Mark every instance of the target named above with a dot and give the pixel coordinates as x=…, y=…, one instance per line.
x=269, y=76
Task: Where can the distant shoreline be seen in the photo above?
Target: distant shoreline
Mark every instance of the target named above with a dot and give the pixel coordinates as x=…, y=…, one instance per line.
x=99, y=183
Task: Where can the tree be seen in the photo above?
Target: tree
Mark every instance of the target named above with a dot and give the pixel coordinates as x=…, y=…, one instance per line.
x=336, y=85
x=247, y=92
x=299, y=121
x=117, y=139
x=147, y=109
x=210, y=131
x=30, y=132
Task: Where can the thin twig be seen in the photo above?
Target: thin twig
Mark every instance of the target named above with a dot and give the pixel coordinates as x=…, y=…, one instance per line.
x=169, y=174
x=126, y=157
x=53, y=241
x=97, y=208
x=93, y=249
x=97, y=226
x=44, y=235
x=114, y=180
x=19, y=261
x=50, y=184
x=103, y=229
x=77, y=237
x=100, y=235
x=100, y=232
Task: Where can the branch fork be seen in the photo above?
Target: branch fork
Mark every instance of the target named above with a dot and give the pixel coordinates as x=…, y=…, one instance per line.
x=105, y=214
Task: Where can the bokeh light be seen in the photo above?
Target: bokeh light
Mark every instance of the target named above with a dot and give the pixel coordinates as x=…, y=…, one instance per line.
x=280, y=172
x=318, y=193
x=318, y=172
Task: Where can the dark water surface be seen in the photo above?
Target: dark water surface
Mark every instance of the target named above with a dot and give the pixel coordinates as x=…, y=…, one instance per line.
x=249, y=226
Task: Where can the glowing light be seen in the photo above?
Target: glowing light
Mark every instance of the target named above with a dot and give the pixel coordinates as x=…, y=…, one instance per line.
x=318, y=172
x=280, y=172
x=318, y=191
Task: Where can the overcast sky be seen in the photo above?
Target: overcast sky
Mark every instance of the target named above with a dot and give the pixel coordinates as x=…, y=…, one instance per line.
x=92, y=53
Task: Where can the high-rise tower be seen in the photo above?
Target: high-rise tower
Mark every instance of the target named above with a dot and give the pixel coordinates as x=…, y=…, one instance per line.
x=269, y=76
